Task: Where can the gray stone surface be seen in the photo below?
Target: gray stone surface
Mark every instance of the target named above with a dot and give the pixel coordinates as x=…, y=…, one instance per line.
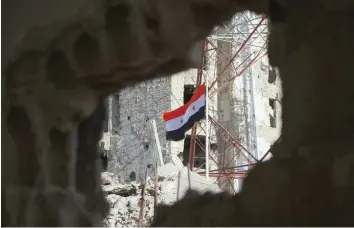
x=132, y=142
x=135, y=146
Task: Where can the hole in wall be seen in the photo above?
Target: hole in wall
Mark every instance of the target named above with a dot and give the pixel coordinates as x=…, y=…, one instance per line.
x=104, y=161
x=103, y=156
x=213, y=146
x=128, y=117
x=273, y=113
x=272, y=76
x=180, y=155
x=132, y=176
x=146, y=146
x=188, y=93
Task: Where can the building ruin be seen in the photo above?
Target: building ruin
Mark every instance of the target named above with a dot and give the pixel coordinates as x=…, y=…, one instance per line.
x=129, y=136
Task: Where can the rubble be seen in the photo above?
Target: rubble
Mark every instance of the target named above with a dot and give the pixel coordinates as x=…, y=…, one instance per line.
x=124, y=198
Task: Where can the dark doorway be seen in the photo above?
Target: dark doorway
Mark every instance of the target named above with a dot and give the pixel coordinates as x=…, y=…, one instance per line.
x=188, y=93
x=132, y=176
x=103, y=156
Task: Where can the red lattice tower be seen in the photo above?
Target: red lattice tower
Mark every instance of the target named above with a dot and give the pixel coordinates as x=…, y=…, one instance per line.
x=247, y=34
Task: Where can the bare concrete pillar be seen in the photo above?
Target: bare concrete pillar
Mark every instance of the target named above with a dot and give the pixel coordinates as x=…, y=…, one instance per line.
x=226, y=114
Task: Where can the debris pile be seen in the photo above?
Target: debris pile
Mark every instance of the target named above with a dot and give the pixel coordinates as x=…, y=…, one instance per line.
x=124, y=198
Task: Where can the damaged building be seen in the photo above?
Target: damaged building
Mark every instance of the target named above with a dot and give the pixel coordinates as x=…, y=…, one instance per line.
x=129, y=136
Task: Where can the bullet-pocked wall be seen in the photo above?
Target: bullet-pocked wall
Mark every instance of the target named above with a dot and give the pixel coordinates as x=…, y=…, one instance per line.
x=132, y=142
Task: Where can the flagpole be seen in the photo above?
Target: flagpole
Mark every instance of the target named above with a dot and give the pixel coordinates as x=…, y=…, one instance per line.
x=207, y=127
x=158, y=145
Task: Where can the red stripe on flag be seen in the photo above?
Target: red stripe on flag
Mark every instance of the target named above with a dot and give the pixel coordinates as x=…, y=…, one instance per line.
x=181, y=110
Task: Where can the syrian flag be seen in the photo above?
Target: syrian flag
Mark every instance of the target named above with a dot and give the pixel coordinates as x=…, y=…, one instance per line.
x=182, y=119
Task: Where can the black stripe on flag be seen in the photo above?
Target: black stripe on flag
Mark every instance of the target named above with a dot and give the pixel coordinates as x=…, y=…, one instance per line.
x=179, y=134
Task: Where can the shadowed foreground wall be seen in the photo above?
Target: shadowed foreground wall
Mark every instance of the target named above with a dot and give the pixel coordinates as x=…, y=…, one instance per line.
x=61, y=58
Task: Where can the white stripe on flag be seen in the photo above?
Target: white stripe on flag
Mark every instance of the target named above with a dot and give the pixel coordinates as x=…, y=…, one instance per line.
x=178, y=122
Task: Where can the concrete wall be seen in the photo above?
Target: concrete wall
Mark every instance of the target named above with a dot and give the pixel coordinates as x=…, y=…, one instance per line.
x=264, y=90
x=130, y=139
x=132, y=142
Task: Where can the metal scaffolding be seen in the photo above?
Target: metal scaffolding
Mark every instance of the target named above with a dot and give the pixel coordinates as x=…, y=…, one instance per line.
x=246, y=36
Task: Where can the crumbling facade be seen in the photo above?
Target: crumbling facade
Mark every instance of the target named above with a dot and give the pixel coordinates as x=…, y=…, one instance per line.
x=132, y=143
x=129, y=136
x=268, y=108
